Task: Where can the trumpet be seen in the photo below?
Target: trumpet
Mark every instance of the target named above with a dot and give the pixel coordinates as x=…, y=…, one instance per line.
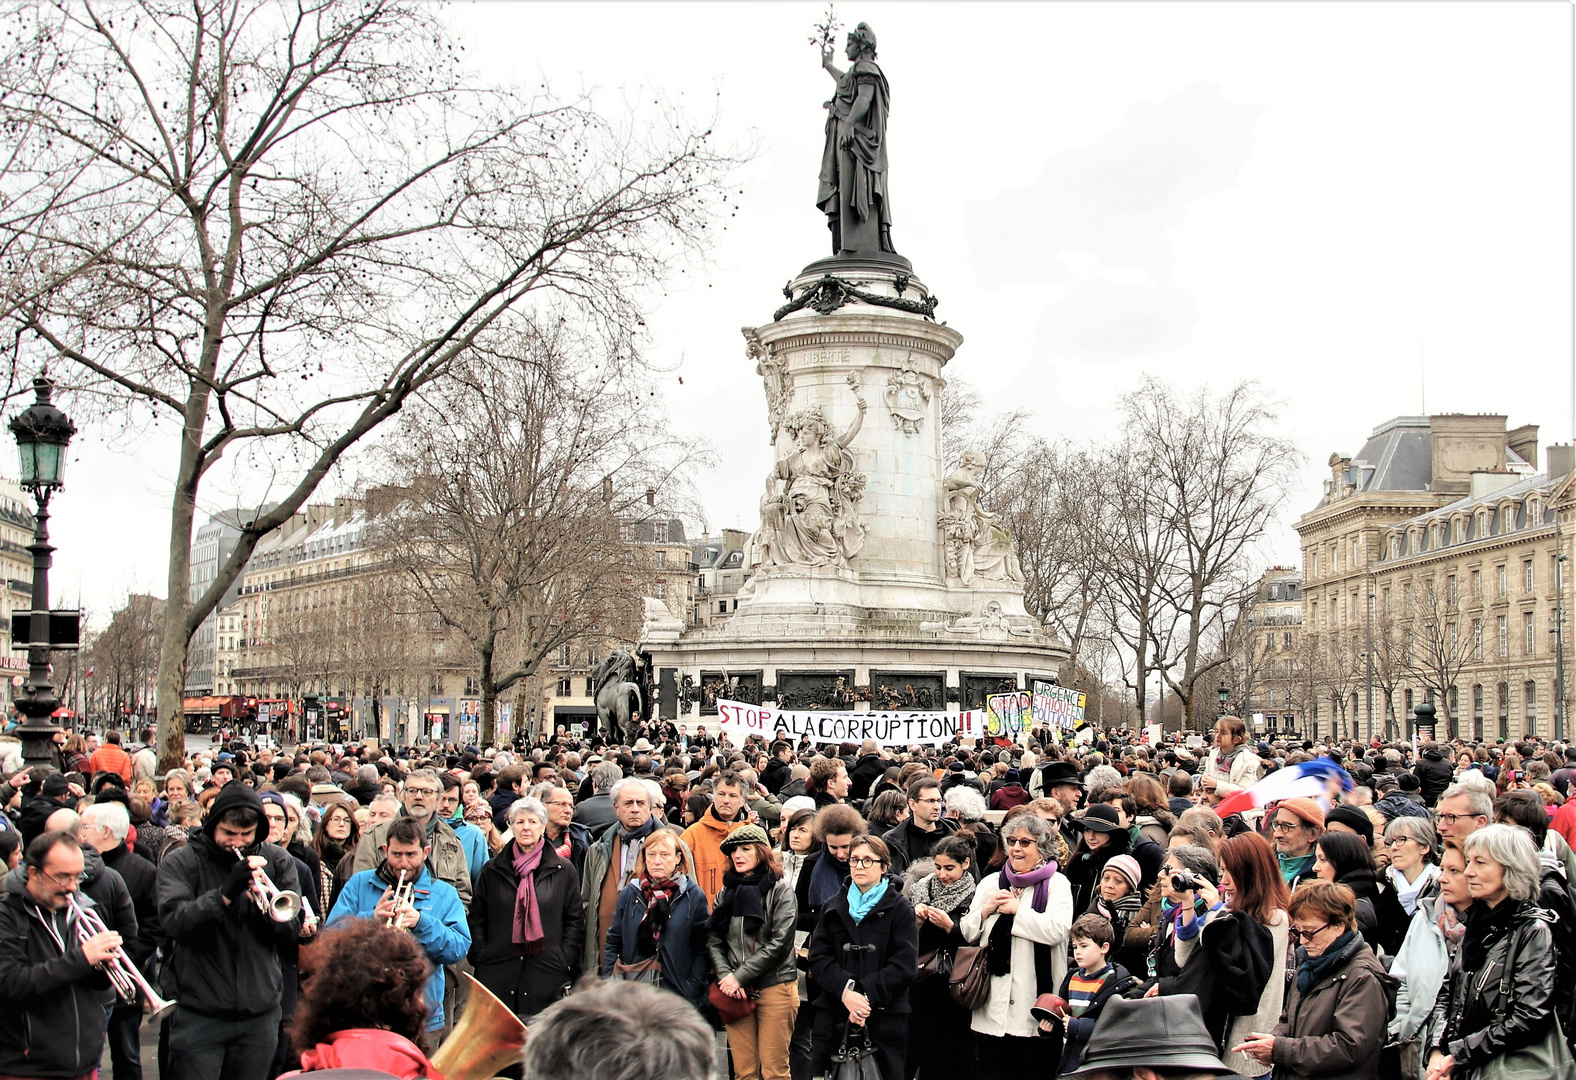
x=280, y=905
x=404, y=896
x=123, y=974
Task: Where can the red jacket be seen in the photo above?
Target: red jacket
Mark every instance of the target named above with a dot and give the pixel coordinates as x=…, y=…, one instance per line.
x=1564, y=822
x=368, y=1048
x=111, y=758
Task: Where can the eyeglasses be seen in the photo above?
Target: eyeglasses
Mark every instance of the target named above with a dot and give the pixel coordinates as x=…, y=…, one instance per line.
x=859, y=862
x=1021, y=841
x=927, y=802
x=70, y=881
x=1451, y=819
x=1307, y=935
x=1397, y=841
x=1284, y=826
x=421, y=790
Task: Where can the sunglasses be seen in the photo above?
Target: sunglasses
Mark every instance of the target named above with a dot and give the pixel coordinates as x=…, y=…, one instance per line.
x=1307, y=935
x=1021, y=841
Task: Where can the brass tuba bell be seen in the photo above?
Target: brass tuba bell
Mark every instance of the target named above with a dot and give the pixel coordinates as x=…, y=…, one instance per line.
x=487, y=1037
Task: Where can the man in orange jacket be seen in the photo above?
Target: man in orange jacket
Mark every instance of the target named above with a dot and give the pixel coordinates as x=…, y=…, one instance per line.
x=111, y=757
x=705, y=837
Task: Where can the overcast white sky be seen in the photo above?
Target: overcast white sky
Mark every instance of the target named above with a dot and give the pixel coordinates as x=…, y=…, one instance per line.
x=1339, y=200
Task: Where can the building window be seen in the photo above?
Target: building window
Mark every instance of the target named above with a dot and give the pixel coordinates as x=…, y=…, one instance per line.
x=1450, y=589
x=472, y=686
x=662, y=590
x=563, y=688
x=1477, y=639
x=1313, y=614
x=1269, y=641
x=659, y=530
x=590, y=687
x=1530, y=645
x=1477, y=584
x=1477, y=710
x=435, y=686
x=1384, y=601
x=1504, y=636
x=1503, y=692
x=1529, y=690
x=1526, y=570
x=1500, y=571
x=1286, y=639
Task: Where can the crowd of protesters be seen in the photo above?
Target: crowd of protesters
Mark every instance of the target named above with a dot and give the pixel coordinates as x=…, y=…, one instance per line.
x=969, y=910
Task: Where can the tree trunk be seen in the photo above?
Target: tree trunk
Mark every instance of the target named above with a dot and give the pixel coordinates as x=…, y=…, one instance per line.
x=485, y=730
x=171, y=738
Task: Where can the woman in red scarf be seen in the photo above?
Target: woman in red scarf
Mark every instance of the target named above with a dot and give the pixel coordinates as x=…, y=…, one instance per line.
x=528, y=922
x=660, y=918
x=364, y=1005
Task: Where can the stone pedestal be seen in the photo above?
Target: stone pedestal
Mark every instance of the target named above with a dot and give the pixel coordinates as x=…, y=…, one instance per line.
x=852, y=595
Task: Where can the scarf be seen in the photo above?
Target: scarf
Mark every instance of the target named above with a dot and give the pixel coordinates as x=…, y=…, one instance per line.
x=741, y=898
x=861, y=904
x=793, y=862
x=1223, y=763
x=1485, y=926
x=658, y=896
x=528, y=935
x=1310, y=969
x=1001, y=933
x=629, y=845
x=1293, y=867
x=929, y=890
x=1120, y=911
x=1406, y=893
x=826, y=879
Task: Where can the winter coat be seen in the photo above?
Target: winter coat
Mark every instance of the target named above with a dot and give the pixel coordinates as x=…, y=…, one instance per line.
x=683, y=944
x=1393, y=921
x=447, y=860
x=53, y=999
x=1156, y=829
x=1246, y=769
x=1270, y=1000
x=1006, y=1010
x=441, y=928
x=766, y=957
x=1421, y=965
x=1083, y=872
x=111, y=759
x=1476, y=1021
x=1338, y=1027
x=775, y=775
x=1401, y=804
x=909, y=845
x=595, y=813
x=224, y=957
x=473, y=842
x=1435, y=774
x=500, y=801
x=880, y=953
x=863, y=775
x=1008, y=796
x=704, y=839
x=527, y=984
x=142, y=886
x=1365, y=886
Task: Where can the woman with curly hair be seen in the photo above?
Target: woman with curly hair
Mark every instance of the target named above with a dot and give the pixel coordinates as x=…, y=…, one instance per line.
x=364, y=1005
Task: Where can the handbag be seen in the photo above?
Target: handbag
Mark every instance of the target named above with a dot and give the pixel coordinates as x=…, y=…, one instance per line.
x=1547, y=1059
x=969, y=980
x=648, y=970
x=729, y=1009
x=935, y=962
x=856, y=1062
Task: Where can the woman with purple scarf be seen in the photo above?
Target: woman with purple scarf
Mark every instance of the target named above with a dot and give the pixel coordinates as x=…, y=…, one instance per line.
x=528, y=924
x=1023, y=911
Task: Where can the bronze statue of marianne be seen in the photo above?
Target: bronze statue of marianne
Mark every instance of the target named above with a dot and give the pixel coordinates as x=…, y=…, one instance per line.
x=853, y=191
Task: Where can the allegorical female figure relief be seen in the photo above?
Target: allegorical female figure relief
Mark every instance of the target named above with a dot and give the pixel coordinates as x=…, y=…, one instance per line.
x=853, y=191
x=809, y=516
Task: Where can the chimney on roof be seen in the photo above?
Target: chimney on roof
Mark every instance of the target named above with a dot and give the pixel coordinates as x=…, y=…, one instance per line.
x=1462, y=445
x=651, y=496
x=607, y=491
x=1562, y=459
x=1524, y=441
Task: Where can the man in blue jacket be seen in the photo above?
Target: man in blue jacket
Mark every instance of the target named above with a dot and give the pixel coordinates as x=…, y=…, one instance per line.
x=434, y=915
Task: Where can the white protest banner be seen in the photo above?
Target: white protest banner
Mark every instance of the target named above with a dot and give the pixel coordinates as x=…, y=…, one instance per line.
x=1058, y=706
x=739, y=721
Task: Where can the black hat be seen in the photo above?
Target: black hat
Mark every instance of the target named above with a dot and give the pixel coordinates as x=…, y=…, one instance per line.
x=1102, y=818
x=55, y=785
x=1060, y=772
x=1353, y=819
x=1408, y=782
x=1160, y=1033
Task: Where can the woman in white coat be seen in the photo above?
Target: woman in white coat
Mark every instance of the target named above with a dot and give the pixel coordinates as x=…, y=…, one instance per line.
x=1423, y=962
x=1231, y=760
x=1024, y=911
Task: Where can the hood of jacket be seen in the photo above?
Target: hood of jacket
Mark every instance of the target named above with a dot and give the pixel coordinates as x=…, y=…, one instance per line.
x=370, y=1048
x=232, y=795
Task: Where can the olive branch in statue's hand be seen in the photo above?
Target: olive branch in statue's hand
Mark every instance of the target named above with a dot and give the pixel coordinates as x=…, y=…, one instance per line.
x=824, y=34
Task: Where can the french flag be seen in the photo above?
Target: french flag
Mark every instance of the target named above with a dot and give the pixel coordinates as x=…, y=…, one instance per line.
x=1310, y=779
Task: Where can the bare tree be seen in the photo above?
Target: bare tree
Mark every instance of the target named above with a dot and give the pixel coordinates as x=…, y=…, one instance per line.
x=1343, y=672
x=125, y=656
x=1218, y=472
x=1439, y=651
x=1305, y=679
x=525, y=472
x=289, y=218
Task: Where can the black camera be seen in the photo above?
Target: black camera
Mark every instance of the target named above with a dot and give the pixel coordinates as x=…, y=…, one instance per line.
x=1186, y=882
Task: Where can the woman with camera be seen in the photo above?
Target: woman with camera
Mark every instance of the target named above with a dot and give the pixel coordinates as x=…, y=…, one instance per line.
x=1333, y=1023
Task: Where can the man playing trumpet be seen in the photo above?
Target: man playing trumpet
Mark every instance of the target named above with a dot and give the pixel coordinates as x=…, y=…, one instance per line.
x=400, y=892
x=52, y=988
x=223, y=968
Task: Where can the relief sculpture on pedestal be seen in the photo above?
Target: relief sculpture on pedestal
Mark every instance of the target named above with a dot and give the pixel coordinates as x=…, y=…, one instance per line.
x=978, y=546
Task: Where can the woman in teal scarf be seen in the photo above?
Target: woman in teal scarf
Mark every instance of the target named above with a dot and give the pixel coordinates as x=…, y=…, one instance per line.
x=864, y=955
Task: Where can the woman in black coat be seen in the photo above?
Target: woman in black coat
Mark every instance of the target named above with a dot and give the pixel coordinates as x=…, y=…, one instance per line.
x=527, y=960
x=863, y=956
x=1343, y=857
x=1103, y=839
x=939, y=1038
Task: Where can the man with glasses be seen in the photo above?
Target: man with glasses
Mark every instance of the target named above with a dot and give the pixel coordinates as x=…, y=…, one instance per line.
x=446, y=860
x=1462, y=811
x=50, y=985
x=1295, y=828
x=568, y=837
x=913, y=838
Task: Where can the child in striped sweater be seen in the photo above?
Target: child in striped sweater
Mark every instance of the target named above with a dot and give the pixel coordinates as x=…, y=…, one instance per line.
x=1087, y=987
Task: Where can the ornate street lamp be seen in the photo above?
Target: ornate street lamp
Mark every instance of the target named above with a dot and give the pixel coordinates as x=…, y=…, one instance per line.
x=1225, y=695
x=42, y=434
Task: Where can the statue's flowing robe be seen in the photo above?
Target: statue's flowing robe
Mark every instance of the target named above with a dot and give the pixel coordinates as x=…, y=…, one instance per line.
x=853, y=187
